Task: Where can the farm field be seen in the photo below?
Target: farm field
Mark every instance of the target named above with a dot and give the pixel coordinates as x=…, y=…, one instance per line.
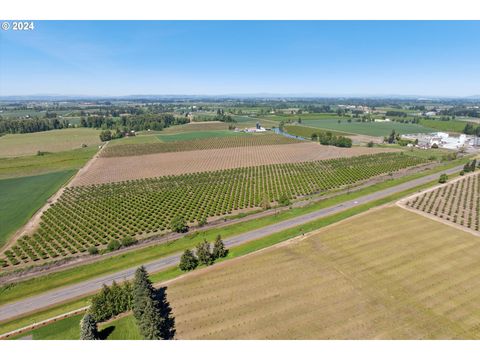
x=12, y=145
x=445, y=126
x=51, y=162
x=144, y=255
x=247, y=121
x=197, y=144
x=457, y=202
x=367, y=128
x=22, y=197
x=145, y=207
x=196, y=126
x=401, y=277
x=309, y=116
x=141, y=138
x=193, y=135
x=111, y=169
x=306, y=131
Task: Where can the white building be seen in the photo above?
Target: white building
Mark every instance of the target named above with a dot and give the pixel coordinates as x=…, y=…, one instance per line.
x=442, y=140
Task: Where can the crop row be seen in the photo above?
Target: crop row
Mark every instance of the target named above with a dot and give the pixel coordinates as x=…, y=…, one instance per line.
x=198, y=144
x=457, y=202
x=93, y=215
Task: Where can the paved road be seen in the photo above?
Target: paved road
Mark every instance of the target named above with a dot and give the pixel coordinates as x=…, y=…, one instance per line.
x=73, y=291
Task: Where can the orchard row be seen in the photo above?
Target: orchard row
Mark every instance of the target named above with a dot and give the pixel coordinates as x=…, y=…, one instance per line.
x=243, y=140
x=94, y=215
x=457, y=202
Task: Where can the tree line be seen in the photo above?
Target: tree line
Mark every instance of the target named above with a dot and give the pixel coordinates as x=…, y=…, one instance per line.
x=327, y=138
x=137, y=122
x=470, y=129
x=203, y=255
x=150, y=308
x=23, y=126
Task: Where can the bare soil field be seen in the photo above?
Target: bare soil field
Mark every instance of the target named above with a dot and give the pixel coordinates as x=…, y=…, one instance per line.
x=385, y=274
x=114, y=169
x=456, y=203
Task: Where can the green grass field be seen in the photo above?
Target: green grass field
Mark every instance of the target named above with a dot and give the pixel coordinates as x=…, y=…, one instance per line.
x=65, y=329
x=306, y=132
x=196, y=126
x=367, y=128
x=40, y=164
x=22, y=197
x=445, y=126
x=12, y=145
x=123, y=328
x=185, y=136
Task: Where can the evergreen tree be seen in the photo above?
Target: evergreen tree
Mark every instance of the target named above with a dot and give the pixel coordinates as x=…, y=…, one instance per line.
x=150, y=323
x=204, y=255
x=219, y=250
x=188, y=261
x=88, y=328
x=142, y=290
x=145, y=307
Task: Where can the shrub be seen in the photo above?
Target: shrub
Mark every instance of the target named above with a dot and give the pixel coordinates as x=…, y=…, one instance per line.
x=114, y=245
x=202, y=221
x=283, y=200
x=188, y=261
x=92, y=250
x=370, y=144
x=265, y=202
x=106, y=135
x=443, y=179
x=178, y=224
x=128, y=241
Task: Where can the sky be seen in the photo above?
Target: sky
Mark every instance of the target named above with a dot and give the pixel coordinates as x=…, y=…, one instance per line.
x=305, y=58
